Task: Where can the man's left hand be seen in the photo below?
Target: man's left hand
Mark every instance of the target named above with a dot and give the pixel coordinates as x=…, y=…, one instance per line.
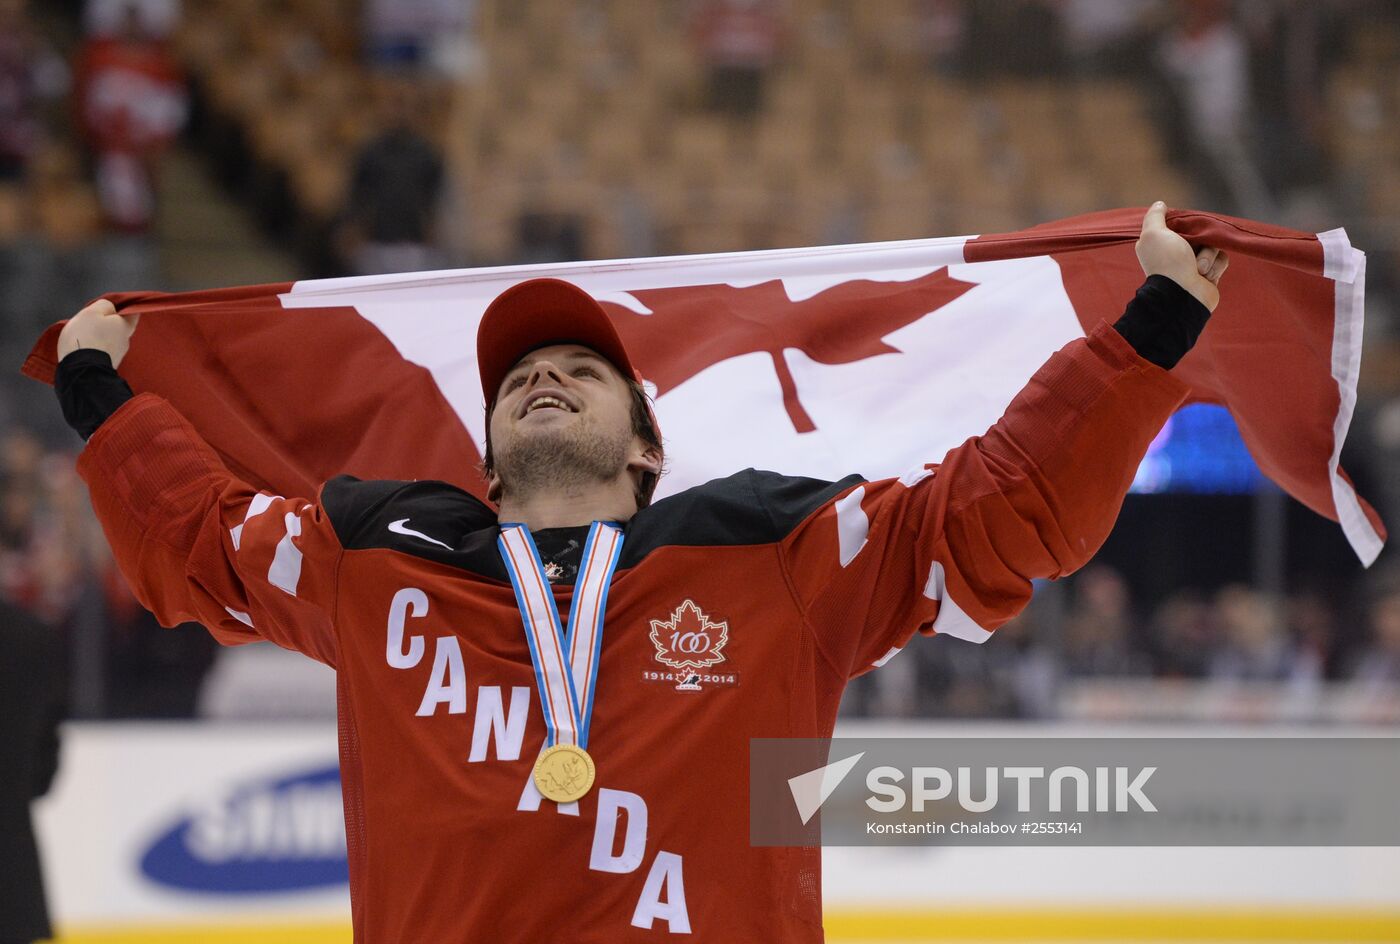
x=1164, y=252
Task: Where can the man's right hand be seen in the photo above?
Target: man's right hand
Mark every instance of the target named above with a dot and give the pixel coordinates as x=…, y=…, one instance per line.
x=98, y=327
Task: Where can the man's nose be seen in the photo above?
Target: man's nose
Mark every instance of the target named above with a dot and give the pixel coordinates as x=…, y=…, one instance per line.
x=544, y=371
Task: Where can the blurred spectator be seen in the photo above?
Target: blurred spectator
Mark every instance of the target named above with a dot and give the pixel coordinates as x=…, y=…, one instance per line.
x=1029, y=670
x=31, y=704
x=963, y=680
x=55, y=563
x=29, y=74
x=433, y=34
x=104, y=17
x=739, y=42
x=152, y=672
x=543, y=236
x=43, y=520
x=1098, y=629
x=1012, y=37
x=1379, y=663
x=942, y=33
x=1311, y=624
x=1015, y=674
x=1108, y=36
x=395, y=190
x=1286, y=72
x=1182, y=636
x=131, y=103
x=1254, y=642
x=48, y=265
x=1206, y=59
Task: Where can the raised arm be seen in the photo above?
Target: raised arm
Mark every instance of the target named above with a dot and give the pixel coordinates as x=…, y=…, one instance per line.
x=194, y=541
x=952, y=547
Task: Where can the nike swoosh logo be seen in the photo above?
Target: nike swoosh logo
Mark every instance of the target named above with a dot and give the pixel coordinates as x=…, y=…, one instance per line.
x=398, y=527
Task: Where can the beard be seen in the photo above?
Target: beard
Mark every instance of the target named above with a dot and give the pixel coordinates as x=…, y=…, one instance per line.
x=554, y=459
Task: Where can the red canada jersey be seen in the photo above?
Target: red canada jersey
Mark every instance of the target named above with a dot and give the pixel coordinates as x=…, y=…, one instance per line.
x=131, y=96
x=739, y=609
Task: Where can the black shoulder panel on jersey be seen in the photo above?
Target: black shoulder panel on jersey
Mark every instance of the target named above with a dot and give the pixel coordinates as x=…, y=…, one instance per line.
x=748, y=507
x=441, y=522
x=424, y=517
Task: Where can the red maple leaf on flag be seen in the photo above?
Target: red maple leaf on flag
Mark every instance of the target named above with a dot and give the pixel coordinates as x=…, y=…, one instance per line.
x=693, y=327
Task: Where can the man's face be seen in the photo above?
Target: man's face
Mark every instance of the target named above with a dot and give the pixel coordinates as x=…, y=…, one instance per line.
x=563, y=415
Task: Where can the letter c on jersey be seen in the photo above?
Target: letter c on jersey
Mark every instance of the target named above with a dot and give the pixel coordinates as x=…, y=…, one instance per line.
x=410, y=601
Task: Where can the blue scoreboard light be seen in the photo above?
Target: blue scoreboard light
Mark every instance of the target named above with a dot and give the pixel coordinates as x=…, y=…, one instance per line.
x=1199, y=451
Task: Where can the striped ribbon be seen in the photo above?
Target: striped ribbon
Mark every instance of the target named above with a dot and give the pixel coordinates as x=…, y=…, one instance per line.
x=565, y=659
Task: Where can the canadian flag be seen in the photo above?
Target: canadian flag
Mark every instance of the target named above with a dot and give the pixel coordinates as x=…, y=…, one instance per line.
x=871, y=358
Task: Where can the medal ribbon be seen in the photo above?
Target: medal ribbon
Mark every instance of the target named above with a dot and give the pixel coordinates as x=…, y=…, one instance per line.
x=565, y=660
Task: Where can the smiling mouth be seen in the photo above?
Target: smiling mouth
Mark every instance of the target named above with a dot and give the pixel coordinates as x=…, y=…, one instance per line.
x=548, y=403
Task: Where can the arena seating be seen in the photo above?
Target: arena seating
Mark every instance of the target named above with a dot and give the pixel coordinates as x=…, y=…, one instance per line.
x=1364, y=101
x=856, y=130
x=59, y=207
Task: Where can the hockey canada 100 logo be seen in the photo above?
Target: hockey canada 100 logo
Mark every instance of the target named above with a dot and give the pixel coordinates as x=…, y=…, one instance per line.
x=690, y=644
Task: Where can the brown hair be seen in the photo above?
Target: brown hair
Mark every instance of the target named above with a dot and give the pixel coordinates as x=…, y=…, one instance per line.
x=641, y=426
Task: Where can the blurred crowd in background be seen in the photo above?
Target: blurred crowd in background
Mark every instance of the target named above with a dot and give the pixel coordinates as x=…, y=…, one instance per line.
x=146, y=145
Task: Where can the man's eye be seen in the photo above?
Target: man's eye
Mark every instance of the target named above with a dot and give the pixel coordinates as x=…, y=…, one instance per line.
x=513, y=383
x=585, y=370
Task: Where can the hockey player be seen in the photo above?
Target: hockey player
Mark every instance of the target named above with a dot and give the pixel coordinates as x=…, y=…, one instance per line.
x=545, y=708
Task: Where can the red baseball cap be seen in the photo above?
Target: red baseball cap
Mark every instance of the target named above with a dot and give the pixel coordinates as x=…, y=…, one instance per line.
x=539, y=312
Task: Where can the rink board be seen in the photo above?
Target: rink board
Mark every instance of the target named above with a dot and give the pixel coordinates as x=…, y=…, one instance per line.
x=151, y=828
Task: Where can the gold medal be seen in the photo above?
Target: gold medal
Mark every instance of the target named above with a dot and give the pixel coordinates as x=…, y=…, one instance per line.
x=563, y=773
